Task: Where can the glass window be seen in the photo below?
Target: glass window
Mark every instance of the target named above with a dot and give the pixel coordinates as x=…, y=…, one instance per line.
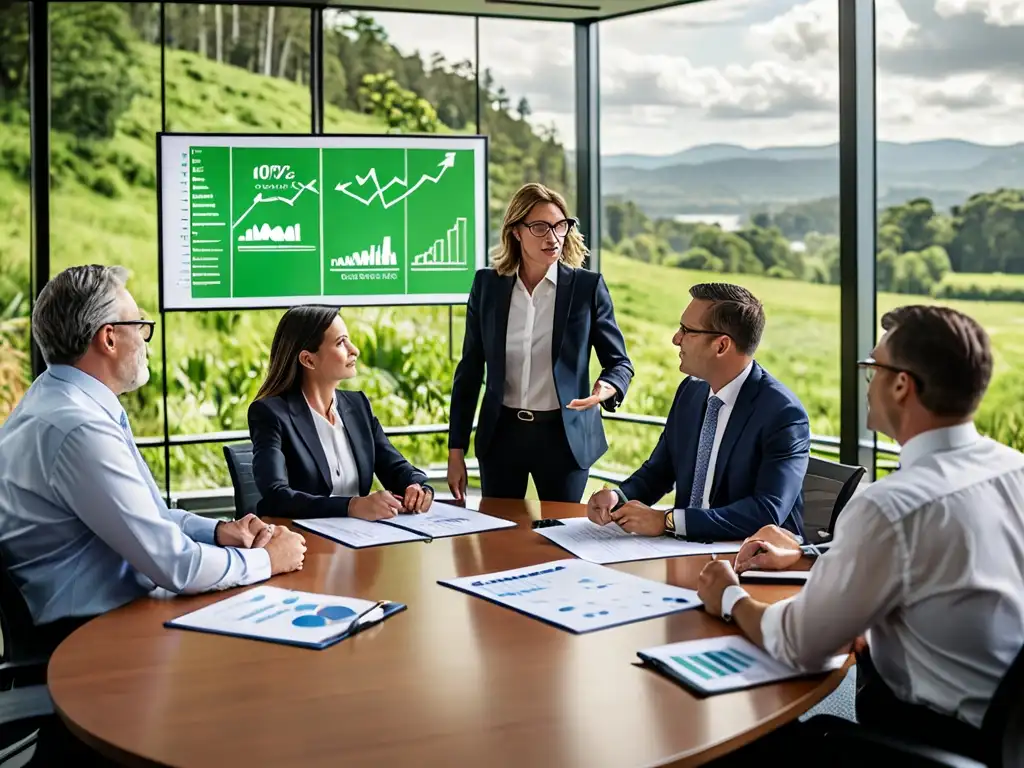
x=230, y=69
x=105, y=112
x=15, y=225
x=719, y=141
x=527, y=109
x=951, y=180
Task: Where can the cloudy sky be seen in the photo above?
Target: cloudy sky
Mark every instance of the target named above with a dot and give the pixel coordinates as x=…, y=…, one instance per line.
x=757, y=72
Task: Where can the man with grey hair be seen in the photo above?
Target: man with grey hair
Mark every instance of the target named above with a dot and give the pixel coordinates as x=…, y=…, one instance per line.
x=83, y=527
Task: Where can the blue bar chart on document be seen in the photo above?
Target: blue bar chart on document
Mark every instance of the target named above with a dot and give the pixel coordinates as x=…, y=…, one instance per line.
x=720, y=664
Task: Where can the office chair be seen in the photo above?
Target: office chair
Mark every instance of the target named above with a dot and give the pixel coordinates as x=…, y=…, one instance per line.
x=1002, y=734
x=828, y=486
x=23, y=710
x=239, y=459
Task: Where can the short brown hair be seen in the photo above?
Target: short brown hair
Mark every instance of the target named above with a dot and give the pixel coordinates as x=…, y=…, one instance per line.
x=948, y=353
x=508, y=254
x=735, y=312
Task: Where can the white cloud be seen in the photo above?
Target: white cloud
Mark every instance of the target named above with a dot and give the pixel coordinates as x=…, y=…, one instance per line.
x=810, y=29
x=1001, y=13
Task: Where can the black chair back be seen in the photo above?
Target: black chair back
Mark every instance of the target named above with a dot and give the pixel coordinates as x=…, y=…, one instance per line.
x=247, y=495
x=15, y=620
x=1002, y=730
x=828, y=486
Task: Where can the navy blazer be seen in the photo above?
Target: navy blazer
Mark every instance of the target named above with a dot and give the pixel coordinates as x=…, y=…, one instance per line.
x=584, y=318
x=760, y=468
x=290, y=467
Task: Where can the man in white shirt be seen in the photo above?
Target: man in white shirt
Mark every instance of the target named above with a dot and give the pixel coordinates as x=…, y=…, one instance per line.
x=928, y=562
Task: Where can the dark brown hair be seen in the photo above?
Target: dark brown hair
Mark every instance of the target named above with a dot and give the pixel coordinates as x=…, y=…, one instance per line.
x=948, y=353
x=734, y=312
x=301, y=328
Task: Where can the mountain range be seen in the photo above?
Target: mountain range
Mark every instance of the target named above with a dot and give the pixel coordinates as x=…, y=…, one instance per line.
x=728, y=178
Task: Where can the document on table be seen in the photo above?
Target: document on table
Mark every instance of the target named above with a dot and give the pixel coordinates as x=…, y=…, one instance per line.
x=439, y=521
x=356, y=533
x=448, y=520
x=578, y=596
x=610, y=544
x=288, y=617
x=728, y=663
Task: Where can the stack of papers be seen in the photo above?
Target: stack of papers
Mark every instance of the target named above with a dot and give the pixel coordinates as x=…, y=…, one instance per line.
x=285, y=616
x=442, y=520
x=721, y=664
x=578, y=596
x=610, y=544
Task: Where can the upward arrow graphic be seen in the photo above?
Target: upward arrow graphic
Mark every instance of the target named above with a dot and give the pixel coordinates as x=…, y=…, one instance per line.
x=444, y=165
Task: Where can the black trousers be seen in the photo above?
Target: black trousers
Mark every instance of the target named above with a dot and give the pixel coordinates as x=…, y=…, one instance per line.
x=539, y=448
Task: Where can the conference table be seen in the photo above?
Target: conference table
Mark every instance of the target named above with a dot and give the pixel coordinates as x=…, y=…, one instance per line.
x=453, y=680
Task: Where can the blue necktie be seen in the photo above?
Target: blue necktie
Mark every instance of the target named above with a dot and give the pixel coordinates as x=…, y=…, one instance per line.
x=707, y=441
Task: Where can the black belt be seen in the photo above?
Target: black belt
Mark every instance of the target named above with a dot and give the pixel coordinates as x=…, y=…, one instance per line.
x=535, y=417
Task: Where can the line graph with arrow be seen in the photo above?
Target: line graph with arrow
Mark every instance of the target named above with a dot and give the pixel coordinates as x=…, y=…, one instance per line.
x=379, y=190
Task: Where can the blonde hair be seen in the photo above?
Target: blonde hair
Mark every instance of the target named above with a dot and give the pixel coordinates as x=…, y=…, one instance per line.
x=508, y=254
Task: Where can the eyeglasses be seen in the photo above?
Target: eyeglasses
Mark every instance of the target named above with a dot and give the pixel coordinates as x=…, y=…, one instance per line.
x=541, y=228
x=870, y=365
x=687, y=331
x=147, y=327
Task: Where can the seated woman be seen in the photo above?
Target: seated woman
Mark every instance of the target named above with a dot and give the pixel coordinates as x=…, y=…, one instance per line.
x=316, y=448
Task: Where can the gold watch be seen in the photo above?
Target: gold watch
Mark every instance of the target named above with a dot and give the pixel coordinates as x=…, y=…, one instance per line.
x=670, y=521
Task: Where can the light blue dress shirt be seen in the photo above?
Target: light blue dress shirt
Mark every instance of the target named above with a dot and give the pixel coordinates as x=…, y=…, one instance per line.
x=83, y=528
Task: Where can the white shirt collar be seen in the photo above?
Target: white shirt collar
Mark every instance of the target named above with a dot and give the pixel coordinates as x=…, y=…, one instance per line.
x=731, y=391
x=936, y=441
x=551, y=276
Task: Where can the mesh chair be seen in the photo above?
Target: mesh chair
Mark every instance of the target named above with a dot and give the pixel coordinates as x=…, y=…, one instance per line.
x=247, y=495
x=1002, y=735
x=828, y=486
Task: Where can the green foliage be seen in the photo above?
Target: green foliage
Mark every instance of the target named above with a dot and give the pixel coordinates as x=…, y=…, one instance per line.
x=973, y=287
x=381, y=96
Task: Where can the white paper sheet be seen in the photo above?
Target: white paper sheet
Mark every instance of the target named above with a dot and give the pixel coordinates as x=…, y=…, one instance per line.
x=727, y=663
x=353, y=532
x=281, y=615
x=577, y=595
x=448, y=520
x=610, y=544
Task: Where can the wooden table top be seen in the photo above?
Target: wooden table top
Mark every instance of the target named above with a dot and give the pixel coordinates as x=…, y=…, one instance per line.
x=454, y=680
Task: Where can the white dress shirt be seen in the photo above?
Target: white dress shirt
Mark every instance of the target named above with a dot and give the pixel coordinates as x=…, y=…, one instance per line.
x=930, y=561
x=728, y=394
x=338, y=449
x=529, y=377
x=83, y=527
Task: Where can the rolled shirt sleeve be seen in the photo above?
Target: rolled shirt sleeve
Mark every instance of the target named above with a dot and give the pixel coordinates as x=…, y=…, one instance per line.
x=96, y=475
x=859, y=580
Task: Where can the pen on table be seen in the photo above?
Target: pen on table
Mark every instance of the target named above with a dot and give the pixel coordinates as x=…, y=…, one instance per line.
x=371, y=609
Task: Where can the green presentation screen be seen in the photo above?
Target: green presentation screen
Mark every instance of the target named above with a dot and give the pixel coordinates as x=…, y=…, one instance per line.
x=251, y=221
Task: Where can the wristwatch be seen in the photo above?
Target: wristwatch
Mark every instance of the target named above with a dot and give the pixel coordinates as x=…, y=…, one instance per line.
x=732, y=595
x=670, y=522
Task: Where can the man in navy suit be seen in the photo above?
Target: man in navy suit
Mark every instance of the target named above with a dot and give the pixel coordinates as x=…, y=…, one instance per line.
x=736, y=443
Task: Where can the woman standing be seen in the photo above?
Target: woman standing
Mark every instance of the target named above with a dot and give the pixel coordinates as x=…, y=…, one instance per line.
x=316, y=448
x=530, y=323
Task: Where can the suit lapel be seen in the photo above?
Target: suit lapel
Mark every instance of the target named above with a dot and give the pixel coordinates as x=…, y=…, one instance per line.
x=563, y=301
x=357, y=438
x=302, y=418
x=741, y=414
x=505, y=286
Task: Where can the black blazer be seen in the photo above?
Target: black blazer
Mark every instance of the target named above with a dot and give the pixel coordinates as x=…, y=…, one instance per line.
x=290, y=467
x=761, y=463
x=584, y=318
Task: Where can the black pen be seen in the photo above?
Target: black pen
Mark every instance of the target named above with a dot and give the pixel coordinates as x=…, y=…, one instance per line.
x=371, y=609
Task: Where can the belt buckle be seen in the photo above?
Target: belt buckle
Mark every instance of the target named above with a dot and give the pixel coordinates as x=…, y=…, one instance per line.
x=524, y=415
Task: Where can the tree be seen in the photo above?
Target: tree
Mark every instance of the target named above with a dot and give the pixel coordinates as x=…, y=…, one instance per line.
x=93, y=80
x=402, y=109
x=523, y=109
